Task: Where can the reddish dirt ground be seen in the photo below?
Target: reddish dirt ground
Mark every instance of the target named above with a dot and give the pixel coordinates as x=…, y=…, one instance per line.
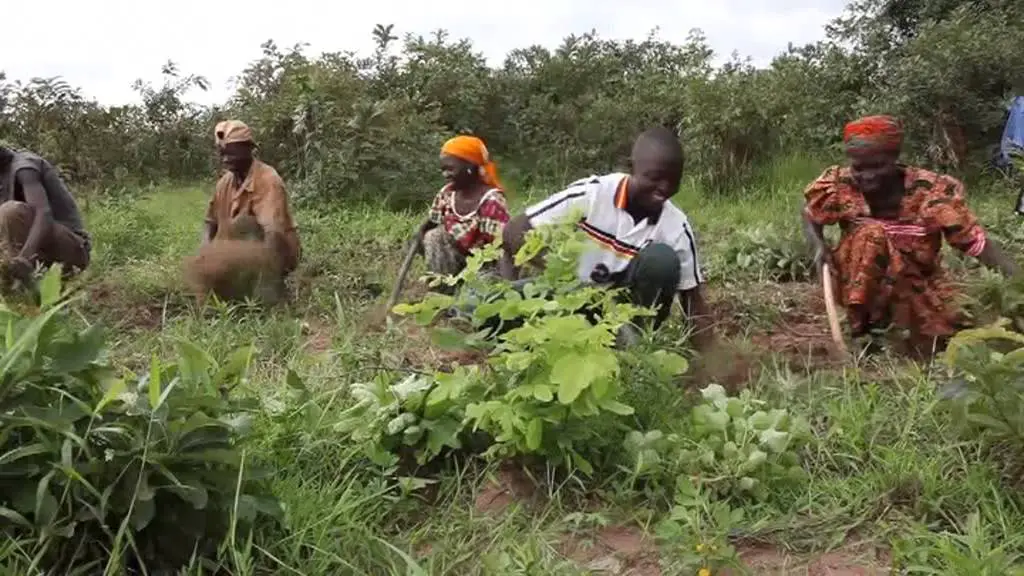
x=793, y=325
x=853, y=559
x=115, y=304
x=319, y=335
x=509, y=485
x=627, y=551
x=613, y=550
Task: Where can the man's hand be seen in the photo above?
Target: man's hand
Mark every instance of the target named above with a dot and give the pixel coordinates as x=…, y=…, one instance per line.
x=21, y=269
x=822, y=256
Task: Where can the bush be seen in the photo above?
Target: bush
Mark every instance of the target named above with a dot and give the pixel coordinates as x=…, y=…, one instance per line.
x=101, y=471
x=341, y=128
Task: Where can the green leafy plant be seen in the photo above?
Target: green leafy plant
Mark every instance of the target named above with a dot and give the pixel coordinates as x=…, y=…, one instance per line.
x=108, y=473
x=419, y=416
x=769, y=255
x=740, y=447
x=555, y=373
x=987, y=388
x=696, y=531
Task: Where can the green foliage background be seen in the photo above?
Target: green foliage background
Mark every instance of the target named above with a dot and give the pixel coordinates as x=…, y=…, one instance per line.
x=342, y=127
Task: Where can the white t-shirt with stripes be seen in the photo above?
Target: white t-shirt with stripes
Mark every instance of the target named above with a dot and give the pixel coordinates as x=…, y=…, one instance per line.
x=617, y=238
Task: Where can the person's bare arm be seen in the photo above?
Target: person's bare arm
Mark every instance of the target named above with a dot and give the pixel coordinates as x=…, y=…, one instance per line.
x=209, y=231
x=697, y=312
x=42, y=221
x=993, y=257
x=210, y=222
x=513, y=235
x=815, y=235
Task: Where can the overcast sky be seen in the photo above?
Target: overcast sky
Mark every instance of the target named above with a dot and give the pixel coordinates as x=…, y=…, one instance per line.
x=102, y=46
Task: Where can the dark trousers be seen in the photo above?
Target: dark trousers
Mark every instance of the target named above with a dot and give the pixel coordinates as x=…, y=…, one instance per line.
x=650, y=280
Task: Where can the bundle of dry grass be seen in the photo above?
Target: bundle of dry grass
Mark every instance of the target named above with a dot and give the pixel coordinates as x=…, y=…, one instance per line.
x=231, y=269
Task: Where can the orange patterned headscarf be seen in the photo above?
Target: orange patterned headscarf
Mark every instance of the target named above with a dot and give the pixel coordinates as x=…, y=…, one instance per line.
x=472, y=150
x=881, y=133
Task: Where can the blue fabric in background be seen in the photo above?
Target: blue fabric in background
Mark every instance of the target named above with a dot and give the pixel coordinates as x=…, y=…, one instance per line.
x=1013, y=142
x=1013, y=132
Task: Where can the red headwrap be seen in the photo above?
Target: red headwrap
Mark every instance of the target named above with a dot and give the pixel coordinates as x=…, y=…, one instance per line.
x=882, y=133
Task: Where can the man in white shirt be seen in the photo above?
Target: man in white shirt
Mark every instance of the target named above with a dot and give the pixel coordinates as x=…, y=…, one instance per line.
x=641, y=241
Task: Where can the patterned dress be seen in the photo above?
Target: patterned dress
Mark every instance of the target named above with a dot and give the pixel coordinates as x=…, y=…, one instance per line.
x=447, y=245
x=892, y=267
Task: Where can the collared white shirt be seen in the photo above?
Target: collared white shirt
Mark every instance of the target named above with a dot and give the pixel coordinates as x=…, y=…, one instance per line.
x=617, y=238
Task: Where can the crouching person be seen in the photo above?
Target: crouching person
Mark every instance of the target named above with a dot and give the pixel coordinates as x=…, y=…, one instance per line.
x=250, y=243
x=640, y=241
x=39, y=220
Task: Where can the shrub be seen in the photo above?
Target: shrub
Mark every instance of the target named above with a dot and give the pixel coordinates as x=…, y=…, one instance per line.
x=553, y=376
x=107, y=472
x=768, y=254
x=987, y=389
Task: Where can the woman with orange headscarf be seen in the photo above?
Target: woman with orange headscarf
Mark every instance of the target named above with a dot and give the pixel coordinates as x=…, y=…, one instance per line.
x=893, y=219
x=470, y=209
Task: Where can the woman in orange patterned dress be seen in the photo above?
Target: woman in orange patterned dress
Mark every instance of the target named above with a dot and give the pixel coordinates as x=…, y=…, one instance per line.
x=893, y=219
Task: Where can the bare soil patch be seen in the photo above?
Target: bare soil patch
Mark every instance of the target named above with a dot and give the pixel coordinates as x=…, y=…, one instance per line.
x=853, y=559
x=509, y=485
x=320, y=335
x=613, y=550
x=783, y=319
x=124, y=310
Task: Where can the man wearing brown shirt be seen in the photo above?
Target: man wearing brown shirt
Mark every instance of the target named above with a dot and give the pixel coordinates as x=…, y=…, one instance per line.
x=249, y=238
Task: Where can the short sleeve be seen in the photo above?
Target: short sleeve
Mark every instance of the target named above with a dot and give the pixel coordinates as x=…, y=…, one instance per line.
x=273, y=213
x=557, y=208
x=493, y=215
x=946, y=209
x=690, y=275
x=436, y=212
x=823, y=203
x=211, y=206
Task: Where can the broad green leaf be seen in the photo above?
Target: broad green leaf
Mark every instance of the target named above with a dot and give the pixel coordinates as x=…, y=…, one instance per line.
x=443, y=433
x=143, y=512
x=760, y=420
x=734, y=407
x=616, y=407
x=534, y=434
x=571, y=377
x=80, y=352
x=448, y=339
x=715, y=394
x=405, y=309
x=114, y=389
x=49, y=287
x=718, y=421
x=194, y=362
x=543, y=393
x=581, y=463
x=573, y=373
x=670, y=364
x=236, y=365
x=247, y=508
x=294, y=381
x=776, y=441
x=26, y=341
x=755, y=459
